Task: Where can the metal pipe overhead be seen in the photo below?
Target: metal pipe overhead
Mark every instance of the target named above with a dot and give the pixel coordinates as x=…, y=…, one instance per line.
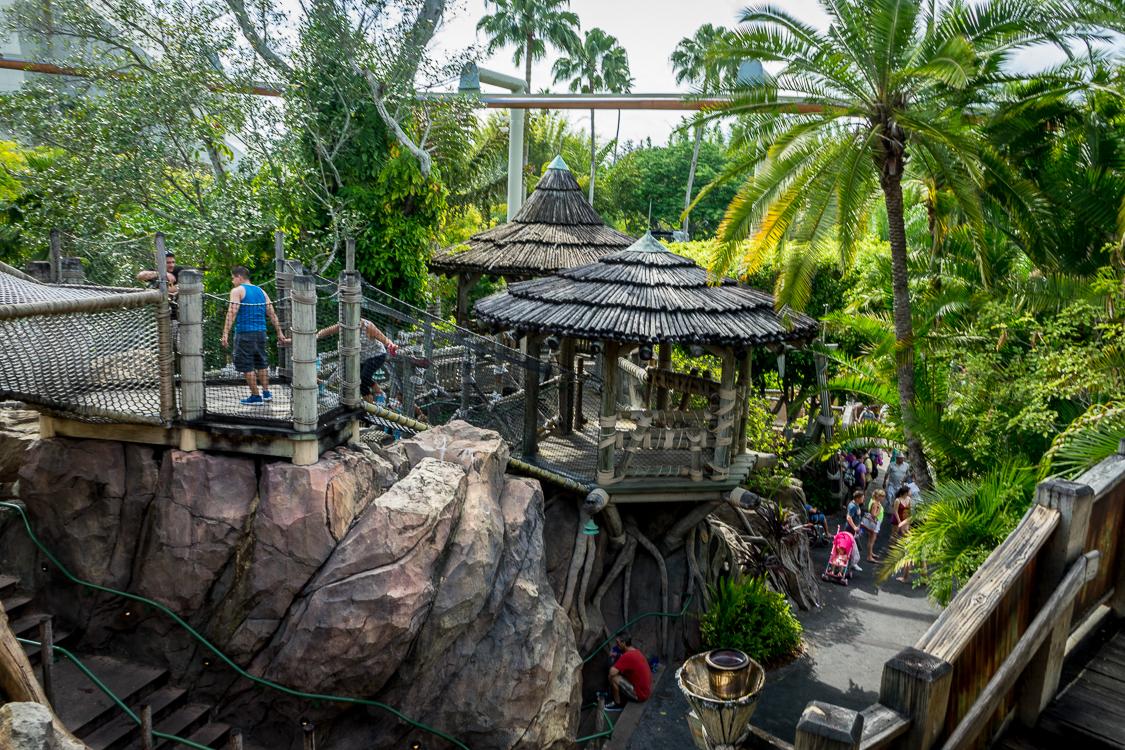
x=609, y=101
x=471, y=79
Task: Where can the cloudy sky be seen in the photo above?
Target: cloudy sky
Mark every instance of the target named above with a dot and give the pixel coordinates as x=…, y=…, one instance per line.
x=649, y=31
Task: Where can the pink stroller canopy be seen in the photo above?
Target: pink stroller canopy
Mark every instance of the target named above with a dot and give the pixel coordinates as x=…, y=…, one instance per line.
x=844, y=541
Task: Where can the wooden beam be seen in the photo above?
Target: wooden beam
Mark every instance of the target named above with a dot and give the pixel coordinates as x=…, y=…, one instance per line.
x=743, y=403
x=1055, y=613
x=727, y=415
x=1074, y=502
x=56, y=258
x=193, y=396
x=664, y=362
x=304, y=354
x=465, y=283
x=566, y=385
x=531, y=397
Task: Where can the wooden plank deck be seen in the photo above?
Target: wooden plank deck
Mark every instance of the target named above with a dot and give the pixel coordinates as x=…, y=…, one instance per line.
x=1089, y=711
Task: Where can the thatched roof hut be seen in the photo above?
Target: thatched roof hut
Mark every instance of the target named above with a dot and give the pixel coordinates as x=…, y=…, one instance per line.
x=556, y=228
x=645, y=294
x=636, y=299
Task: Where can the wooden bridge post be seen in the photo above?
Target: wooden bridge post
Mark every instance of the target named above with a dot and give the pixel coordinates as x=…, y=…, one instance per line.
x=165, y=356
x=351, y=296
x=283, y=282
x=1066, y=544
x=193, y=395
x=827, y=727
x=1117, y=602
x=47, y=659
x=609, y=411
x=917, y=685
x=304, y=368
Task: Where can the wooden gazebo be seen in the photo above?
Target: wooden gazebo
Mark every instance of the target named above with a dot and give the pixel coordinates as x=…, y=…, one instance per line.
x=556, y=228
x=635, y=300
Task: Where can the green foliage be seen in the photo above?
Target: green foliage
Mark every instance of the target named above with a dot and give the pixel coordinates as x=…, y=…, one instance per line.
x=659, y=174
x=746, y=615
x=957, y=525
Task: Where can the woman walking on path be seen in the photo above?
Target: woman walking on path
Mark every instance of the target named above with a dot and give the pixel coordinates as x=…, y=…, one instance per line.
x=872, y=521
x=900, y=513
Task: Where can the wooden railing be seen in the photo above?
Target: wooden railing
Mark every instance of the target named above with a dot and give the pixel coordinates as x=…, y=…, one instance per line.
x=995, y=654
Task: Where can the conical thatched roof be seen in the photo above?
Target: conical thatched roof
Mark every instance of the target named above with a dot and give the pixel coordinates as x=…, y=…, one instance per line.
x=556, y=228
x=644, y=294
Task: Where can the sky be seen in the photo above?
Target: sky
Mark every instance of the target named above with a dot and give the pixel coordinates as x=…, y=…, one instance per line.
x=649, y=32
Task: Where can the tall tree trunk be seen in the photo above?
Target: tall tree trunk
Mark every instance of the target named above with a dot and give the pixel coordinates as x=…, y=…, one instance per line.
x=617, y=136
x=904, y=326
x=593, y=157
x=527, y=119
x=691, y=179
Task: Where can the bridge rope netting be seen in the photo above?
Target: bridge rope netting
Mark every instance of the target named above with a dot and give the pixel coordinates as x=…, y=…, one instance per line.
x=95, y=353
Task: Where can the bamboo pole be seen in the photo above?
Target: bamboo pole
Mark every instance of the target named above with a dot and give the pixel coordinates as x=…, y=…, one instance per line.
x=47, y=658
x=743, y=403
x=566, y=385
x=664, y=362
x=193, y=394
x=79, y=305
x=304, y=354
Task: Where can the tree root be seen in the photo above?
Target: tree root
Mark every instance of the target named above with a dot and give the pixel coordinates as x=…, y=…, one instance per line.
x=693, y=566
x=628, y=588
x=591, y=553
x=648, y=545
x=576, y=559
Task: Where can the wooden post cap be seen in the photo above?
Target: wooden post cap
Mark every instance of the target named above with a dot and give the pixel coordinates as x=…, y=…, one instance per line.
x=835, y=723
x=919, y=664
x=1047, y=491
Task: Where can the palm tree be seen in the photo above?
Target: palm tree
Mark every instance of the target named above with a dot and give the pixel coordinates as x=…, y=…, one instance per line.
x=599, y=64
x=530, y=25
x=888, y=80
x=694, y=62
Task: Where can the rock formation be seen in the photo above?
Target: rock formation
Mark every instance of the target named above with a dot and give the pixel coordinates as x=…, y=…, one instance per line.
x=428, y=593
x=31, y=726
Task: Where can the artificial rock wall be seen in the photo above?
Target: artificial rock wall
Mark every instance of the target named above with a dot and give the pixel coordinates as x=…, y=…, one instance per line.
x=415, y=576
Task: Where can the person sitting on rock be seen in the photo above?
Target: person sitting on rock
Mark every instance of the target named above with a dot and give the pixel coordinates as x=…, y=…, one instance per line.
x=630, y=676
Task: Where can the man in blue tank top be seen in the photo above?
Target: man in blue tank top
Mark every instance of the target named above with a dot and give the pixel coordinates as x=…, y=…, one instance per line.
x=248, y=309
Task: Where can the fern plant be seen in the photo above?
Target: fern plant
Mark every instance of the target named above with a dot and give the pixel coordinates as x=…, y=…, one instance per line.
x=746, y=615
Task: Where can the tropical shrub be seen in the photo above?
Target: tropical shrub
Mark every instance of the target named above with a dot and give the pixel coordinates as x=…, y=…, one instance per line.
x=746, y=615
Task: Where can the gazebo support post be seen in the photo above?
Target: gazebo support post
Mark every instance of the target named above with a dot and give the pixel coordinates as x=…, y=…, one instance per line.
x=531, y=398
x=566, y=385
x=726, y=409
x=609, y=410
x=465, y=283
x=743, y=396
x=663, y=361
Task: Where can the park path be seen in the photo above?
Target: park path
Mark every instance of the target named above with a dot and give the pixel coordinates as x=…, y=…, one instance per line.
x=856, y=629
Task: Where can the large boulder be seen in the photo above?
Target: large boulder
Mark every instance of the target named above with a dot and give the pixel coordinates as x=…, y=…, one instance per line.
x=74, y=490
x=31, y=726
x=19, y=428
x=195, y=527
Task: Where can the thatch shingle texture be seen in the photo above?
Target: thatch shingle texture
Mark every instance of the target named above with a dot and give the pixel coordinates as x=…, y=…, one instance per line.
x=556, y=228
x=644, y=295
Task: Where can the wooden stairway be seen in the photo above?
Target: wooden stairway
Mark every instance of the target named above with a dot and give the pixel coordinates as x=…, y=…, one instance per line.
x=89, y=713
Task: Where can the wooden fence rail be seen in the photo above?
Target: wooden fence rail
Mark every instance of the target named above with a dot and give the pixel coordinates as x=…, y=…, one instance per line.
x=995, y=654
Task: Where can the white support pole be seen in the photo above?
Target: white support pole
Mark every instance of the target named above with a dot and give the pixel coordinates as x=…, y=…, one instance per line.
x=193, y=397
x=515, y=162
x=304, y=354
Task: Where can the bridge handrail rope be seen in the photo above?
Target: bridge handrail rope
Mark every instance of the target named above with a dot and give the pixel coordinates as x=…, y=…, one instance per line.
x=113, y=697
x=257, y=680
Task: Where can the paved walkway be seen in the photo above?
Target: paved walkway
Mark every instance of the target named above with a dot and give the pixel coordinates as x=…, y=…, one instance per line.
x=856, y=630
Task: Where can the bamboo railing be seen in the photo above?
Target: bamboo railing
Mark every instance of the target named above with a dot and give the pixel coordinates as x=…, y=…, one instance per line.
x=995, y=654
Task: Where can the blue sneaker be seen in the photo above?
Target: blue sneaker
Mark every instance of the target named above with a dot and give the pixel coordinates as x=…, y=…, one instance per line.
x=252, y=401
x=267, y=396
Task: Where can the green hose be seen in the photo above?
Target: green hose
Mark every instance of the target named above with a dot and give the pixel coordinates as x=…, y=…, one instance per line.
x=603, y=733
x=623, y=628
x=113, y=697
x=205, y=642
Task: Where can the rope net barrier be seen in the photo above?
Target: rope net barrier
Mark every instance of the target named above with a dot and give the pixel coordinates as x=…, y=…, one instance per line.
x=82, y=352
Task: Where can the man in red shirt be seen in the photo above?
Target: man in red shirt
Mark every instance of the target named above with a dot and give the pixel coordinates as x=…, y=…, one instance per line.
x=630, y=676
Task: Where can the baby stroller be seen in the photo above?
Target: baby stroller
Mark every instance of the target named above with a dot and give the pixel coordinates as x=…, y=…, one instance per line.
x=840, y=560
